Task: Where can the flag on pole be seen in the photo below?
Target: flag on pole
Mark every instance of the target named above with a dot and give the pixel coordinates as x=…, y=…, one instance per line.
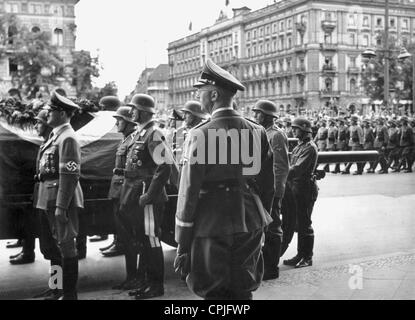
x=227, y=3
x=190, y=26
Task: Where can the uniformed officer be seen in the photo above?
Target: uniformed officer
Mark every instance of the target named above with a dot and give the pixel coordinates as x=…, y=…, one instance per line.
x=393, y=152
x=143, y=197
x=60, y=195
x=368, y=140
x=341, y=140
x=287, y=128
x=380, y=144
x=304, y=188
x=406, y=144
x=264, y=112
x=220, y=218
x=125, y=126
x=27, y=255
x=331, y=139
x=355, y=143
x=193, y=115
x=321, y=136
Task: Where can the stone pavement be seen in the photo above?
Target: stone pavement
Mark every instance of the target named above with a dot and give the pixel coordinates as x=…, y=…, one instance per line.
x=379, y=278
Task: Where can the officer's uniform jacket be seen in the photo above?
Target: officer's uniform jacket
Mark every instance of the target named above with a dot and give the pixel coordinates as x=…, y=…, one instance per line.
x=368, y=138
x=356, y=136
x=394, y=138
x=148, y=164
x=118, y=172
x=59, y=171
x=303, y=163
x=289, y=132
x=382, y=137
x=214, y=199
x=342, y=138
x=406, y=138
x=331, y=137
x=279, y=148
x=179, y=137
x=321, y=138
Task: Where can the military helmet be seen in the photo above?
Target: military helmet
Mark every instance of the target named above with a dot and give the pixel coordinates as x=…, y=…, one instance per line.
x=303, y=124
x=404, y=119
x=124, y=113
x=354, y=118
x=42, y=116
x=267, y=107
x=142, y=102
x=195, y=108
x=111, y=103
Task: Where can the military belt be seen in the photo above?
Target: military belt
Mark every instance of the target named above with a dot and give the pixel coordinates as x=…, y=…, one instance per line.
x=142, y=174
x=47, y=177
x=228, y=185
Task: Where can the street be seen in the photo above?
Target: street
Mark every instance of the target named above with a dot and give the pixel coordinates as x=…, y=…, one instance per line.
x=364, y=221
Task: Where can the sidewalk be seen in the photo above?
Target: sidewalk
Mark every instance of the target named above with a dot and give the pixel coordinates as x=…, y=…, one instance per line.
x=379, y=278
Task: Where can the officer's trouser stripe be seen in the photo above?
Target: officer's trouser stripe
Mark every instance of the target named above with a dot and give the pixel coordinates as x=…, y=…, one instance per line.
x=149, y=226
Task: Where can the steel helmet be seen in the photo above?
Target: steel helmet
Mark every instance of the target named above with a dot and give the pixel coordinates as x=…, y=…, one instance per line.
x=303, y=124
x=195, y=108
x=124, y=113
x=267, y=107
x=142, y=102
x=111, y=103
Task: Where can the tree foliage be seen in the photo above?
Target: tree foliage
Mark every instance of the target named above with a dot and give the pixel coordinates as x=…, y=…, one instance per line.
x=400, y=72
x=84, y=69
x=35, y=60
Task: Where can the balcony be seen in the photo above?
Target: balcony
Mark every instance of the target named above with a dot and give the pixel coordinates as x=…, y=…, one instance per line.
x=328, y=93
x=302, y=48
x=329, y=68
x=300, y=69
x=328, y=25
x=353, y=70
x=328, y=46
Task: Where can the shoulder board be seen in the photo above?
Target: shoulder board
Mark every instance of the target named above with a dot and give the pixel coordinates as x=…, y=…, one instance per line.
x=201, y=124
x=250, y=120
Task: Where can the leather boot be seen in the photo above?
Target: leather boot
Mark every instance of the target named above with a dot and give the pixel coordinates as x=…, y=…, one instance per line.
x=130, y=268
x=53, y=294
x=293, y=261
x=305, y=250
x=271, y=252
x=70, y=278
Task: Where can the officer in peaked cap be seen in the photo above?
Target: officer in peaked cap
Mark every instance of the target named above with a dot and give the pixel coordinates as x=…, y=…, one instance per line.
x=60, y=195
x=110, y=103
x=220, y=219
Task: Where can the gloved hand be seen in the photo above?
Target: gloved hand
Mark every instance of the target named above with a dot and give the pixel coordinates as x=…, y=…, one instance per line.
x=182, y=262
x=144, y=199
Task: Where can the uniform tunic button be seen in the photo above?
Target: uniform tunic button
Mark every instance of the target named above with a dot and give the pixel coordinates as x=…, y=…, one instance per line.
x=139, y=163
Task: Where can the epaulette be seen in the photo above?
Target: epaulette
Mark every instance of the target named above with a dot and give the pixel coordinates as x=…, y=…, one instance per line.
x=201, y=124
x=250, y=120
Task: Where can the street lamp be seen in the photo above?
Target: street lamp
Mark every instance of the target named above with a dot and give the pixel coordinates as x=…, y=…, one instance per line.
x=404, y=54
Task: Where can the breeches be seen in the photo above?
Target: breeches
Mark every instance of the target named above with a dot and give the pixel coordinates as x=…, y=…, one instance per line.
x=227, y=267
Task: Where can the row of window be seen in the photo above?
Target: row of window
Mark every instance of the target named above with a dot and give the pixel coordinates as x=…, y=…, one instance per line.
x=37, y=8
x=353, y=21
x=275, y=27
x=189, y=53
x=187, y=66
x=269, y=47
x=226, y=56
x=225, y=41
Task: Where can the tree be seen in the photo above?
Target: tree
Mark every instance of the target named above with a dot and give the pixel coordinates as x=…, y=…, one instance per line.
x=400, y=72
x=110, y=89
x=84, y=69
x=34, y=61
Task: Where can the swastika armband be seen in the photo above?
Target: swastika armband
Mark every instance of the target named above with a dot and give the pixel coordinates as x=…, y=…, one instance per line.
x=70, y=167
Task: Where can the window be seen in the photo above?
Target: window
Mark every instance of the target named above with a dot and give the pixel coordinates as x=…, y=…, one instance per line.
x=327, y=16
x=379, y=22
x=353, y=86
x=254, y=34
x=392, y=23
x=261, y=32
x=288, y=64
x=281, y=43
x=254, y=50
x=365, y=21
x=405, y=24
x=365, y=40
x=35, y=29
x=327, y=38
x=282, y=26
x=290, y=24
x=379, y=41
x=57, y=38
x=289, y=40
x=353, y=62
x=267, y=49
x=248, y=35
x=352, y=39
x=274, y=45
x=25, y=8
x=405, y=41
x=281, y=65
x=260, y=49
x=274, y=27
x=328, y=85
x=352, y=21
x=267, y=30
x=12, y=8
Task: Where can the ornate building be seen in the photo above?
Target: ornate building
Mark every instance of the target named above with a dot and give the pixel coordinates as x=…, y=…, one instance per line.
x=301, y=54
x=54, y=16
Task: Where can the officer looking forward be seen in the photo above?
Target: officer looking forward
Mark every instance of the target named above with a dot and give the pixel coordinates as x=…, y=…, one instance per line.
x=264, y=112
x=220, y=218
x=143, y=197
x=304, y=188
x=60, y=194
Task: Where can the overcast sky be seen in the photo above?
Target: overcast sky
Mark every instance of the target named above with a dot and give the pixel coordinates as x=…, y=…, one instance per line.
x=133, y=34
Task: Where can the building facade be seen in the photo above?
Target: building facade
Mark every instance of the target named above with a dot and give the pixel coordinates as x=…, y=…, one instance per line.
x=54, y=16
x=304, y=55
